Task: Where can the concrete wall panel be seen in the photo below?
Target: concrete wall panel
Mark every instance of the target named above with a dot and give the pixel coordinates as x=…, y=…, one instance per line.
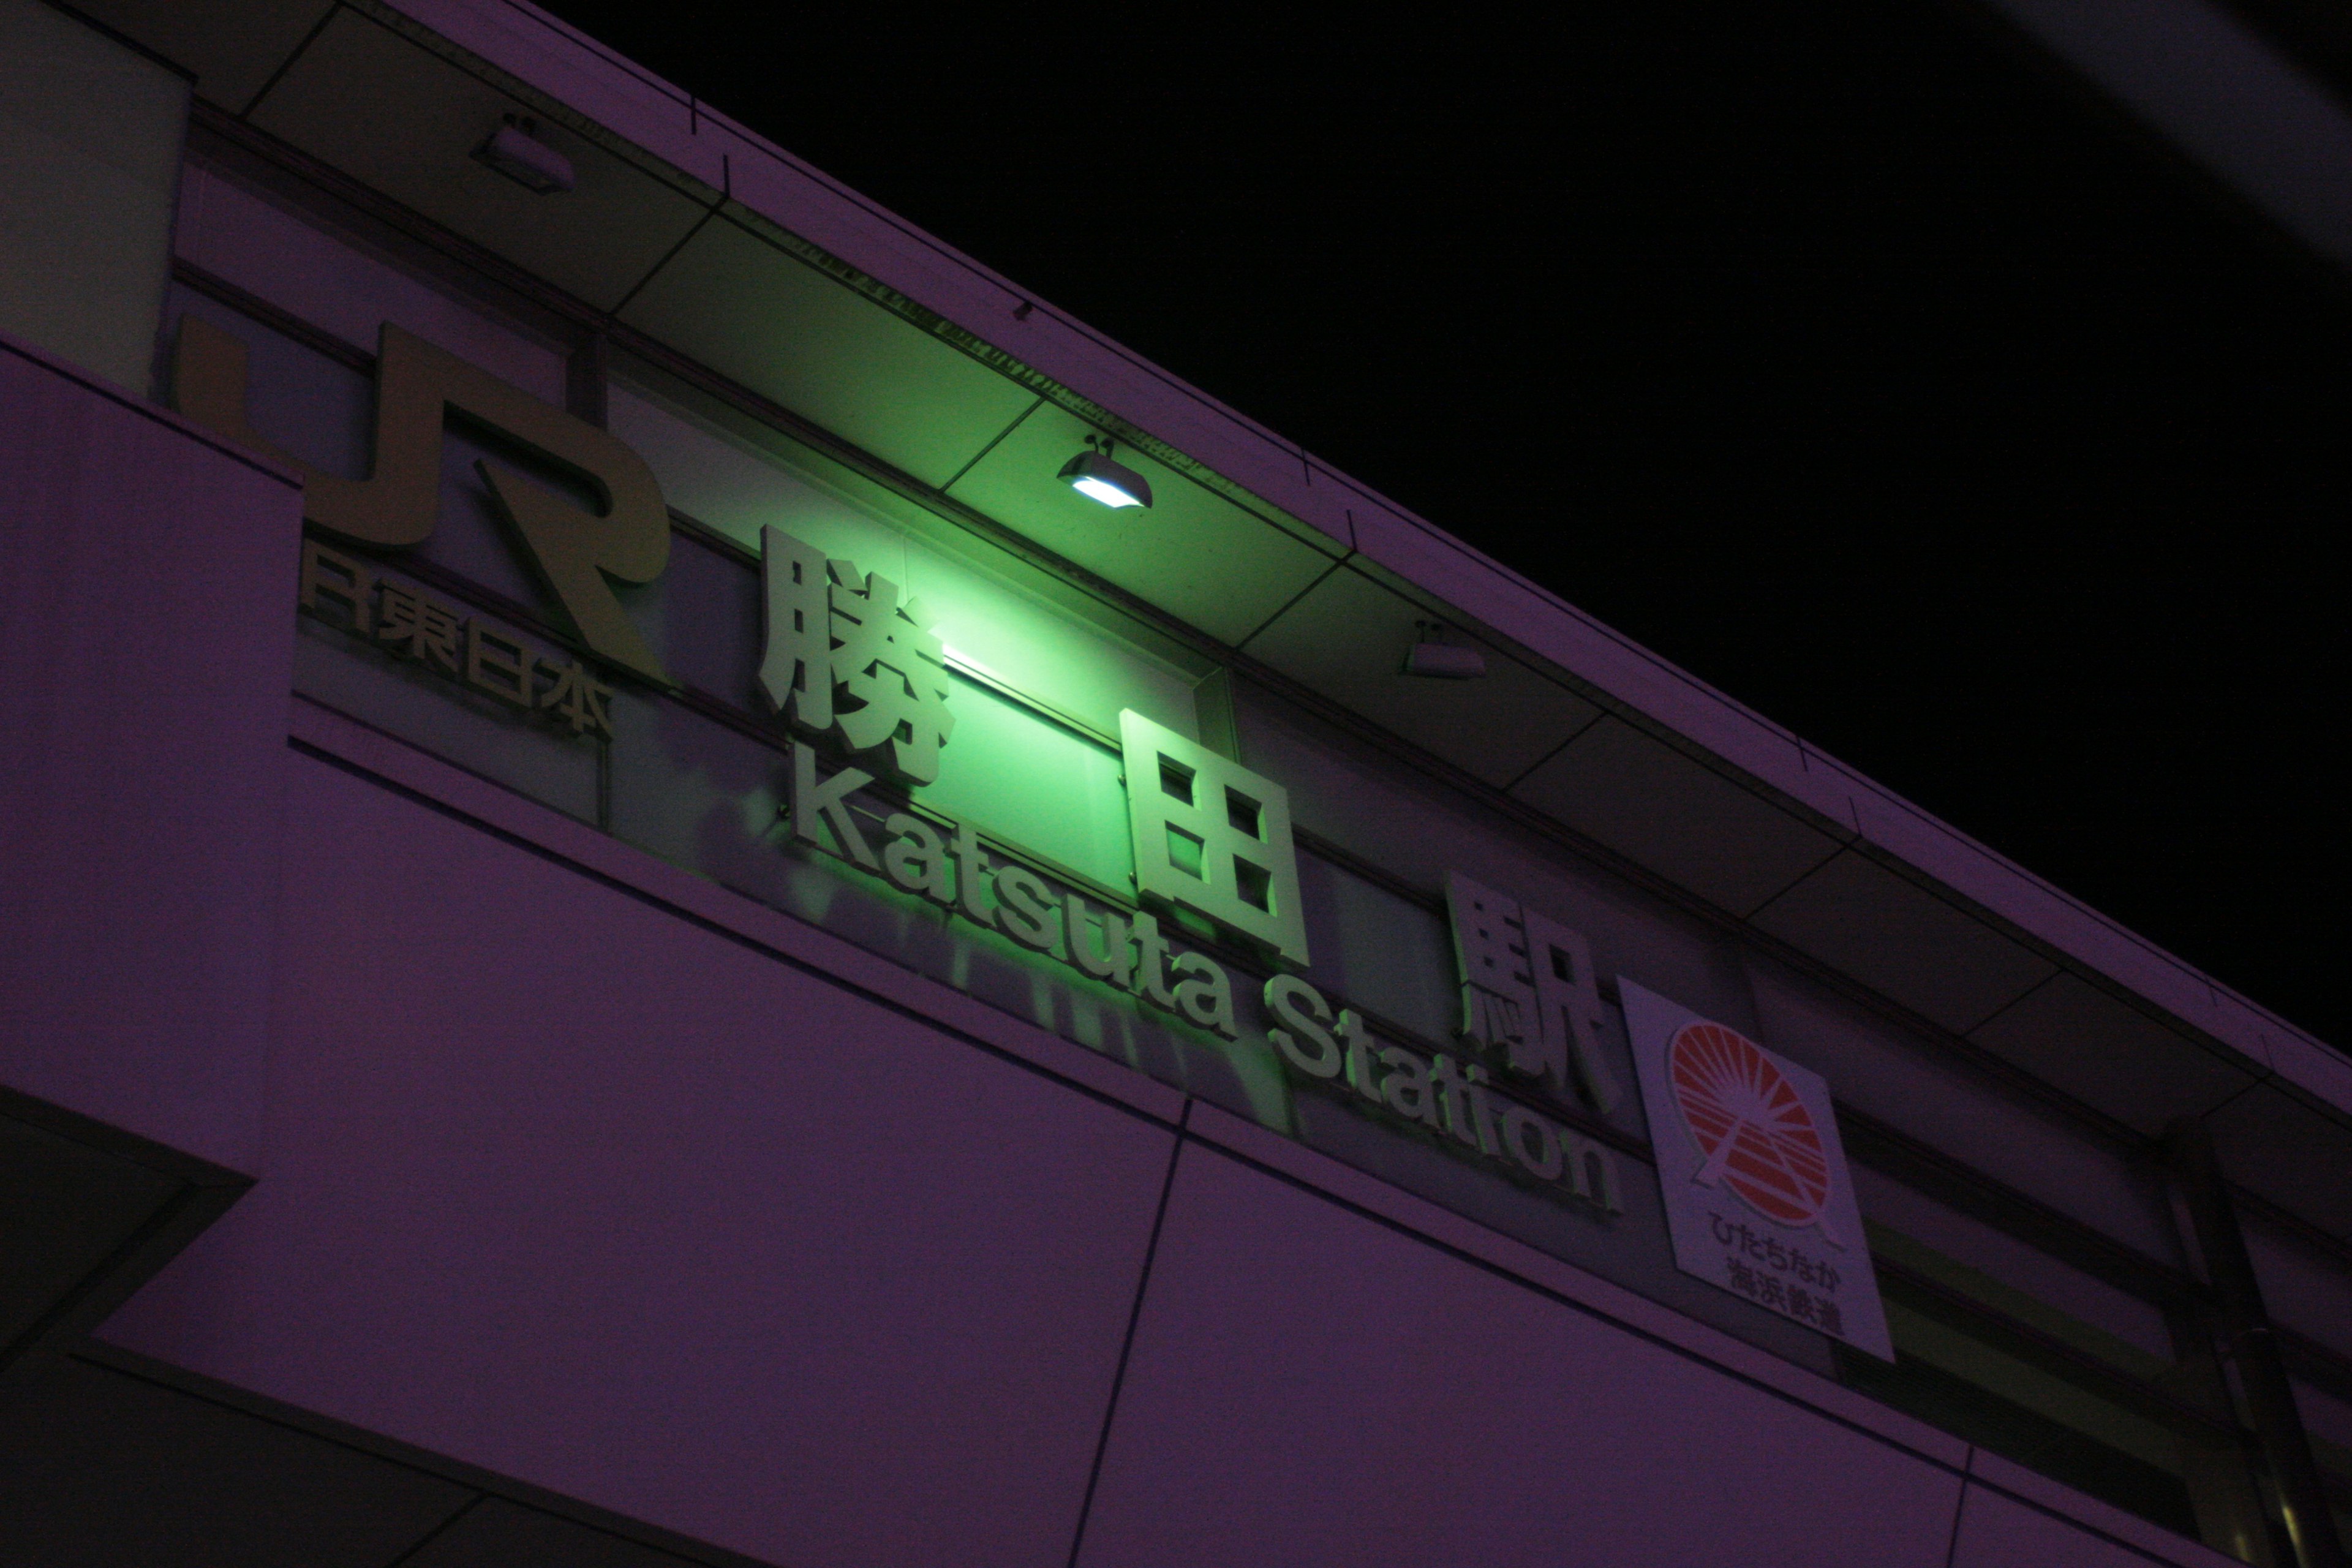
x=1308, y=1386
x=145, y=644
x=561, y=1185
x=1996, y=1531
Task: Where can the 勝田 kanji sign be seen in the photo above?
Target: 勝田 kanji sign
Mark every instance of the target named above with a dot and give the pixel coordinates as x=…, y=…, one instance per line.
x=1758, y=1199
x=1212, y=836
x=856, y=671
x=845, y=656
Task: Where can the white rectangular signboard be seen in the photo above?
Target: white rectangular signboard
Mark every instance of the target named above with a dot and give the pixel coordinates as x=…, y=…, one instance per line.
x=1758, y=1202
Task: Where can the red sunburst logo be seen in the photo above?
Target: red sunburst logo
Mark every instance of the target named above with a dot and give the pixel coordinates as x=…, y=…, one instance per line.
x=1753, y=1132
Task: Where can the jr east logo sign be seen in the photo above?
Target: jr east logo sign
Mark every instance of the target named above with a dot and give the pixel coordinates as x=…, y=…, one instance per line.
x=1758, y=1201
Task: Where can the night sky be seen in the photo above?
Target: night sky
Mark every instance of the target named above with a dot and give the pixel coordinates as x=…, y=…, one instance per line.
x=1856, y=358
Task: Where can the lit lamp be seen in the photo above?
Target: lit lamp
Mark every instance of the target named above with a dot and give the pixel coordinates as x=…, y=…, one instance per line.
x=1433, y=658
x=1094, y=476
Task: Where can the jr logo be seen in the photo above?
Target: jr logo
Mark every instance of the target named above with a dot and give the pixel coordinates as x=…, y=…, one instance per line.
x=578, y=554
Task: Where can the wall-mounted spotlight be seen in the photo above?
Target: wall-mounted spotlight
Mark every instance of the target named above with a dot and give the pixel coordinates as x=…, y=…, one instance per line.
x=1093, y=475
x=1433, y=658
x=515, y=150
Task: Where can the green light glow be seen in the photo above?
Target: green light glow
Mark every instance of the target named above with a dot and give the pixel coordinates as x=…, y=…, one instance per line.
x=1032, y=782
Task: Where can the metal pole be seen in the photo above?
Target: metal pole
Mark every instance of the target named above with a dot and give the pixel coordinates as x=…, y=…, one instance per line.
x=2277, y=1424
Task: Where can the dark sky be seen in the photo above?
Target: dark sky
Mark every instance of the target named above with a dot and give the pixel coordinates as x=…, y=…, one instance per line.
x=1855, y=357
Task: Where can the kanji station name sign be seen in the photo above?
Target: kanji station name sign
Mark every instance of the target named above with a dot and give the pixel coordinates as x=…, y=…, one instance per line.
x=855, y=676
x=845, y=661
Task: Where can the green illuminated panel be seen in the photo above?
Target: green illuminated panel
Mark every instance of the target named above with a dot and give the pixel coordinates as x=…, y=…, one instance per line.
x=1023, y=641
x=1028, y=781
x=1035, y=649
x=720, y=482
x=1194, y=554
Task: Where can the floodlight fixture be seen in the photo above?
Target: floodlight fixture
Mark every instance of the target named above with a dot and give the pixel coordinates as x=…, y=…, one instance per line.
x=1433, y=657
x=515, y=150
x=1095, y=476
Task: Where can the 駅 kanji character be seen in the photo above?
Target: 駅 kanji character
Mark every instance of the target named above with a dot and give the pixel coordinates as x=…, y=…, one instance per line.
x=1528, y=988
x=1490, y=948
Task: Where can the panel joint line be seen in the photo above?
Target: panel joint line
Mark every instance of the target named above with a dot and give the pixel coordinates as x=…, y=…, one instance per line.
x=1127, y=1345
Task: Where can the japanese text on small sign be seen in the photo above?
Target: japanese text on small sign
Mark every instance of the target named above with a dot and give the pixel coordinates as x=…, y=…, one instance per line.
x=409, y=624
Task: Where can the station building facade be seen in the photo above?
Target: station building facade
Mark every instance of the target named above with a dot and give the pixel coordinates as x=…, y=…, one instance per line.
x=638, y=932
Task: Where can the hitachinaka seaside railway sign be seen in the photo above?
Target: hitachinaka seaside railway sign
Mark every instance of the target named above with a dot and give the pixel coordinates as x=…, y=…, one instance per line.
x=1758, y=1201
